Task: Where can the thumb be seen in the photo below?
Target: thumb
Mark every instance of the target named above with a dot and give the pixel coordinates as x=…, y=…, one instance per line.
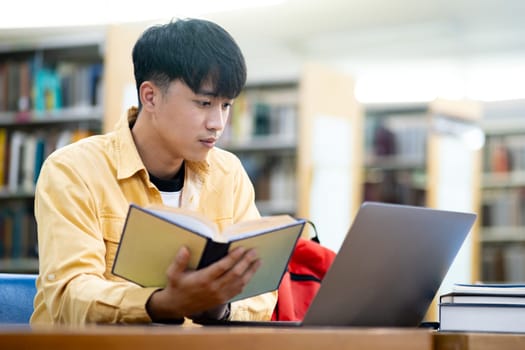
x=180, y=263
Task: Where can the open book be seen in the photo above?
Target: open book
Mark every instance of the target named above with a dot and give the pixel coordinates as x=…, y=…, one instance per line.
x=153, y=235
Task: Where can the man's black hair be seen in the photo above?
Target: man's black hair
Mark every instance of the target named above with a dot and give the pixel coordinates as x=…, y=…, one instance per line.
x=193, y=50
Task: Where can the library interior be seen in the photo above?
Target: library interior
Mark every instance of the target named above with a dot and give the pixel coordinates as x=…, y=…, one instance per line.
x=411, y=102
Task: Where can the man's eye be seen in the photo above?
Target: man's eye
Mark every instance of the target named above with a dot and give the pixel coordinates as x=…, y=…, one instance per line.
x=226, y=105
x=204, y=103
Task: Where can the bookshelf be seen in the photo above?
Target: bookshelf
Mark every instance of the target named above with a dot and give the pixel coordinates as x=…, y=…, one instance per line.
x=428, y=154
x=503, y=192
x=395, y=159
x=262, y=131
x=50, y=95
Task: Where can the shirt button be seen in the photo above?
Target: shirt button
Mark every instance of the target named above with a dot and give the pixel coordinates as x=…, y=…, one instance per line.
x=51, y=277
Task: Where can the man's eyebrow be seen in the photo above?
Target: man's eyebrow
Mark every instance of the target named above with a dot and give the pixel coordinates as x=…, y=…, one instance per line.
x=207, y=93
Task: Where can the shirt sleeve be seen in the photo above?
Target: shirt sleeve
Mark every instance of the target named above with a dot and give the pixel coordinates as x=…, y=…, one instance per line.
x=74, y=284
x=258, y=308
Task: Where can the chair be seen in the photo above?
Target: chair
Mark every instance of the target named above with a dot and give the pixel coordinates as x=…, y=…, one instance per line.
x=17, y=292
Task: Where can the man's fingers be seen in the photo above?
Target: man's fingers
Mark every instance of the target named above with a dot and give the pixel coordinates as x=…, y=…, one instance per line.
x=236, y=254
x=245, y=264
x=243, y=269
x=246, y=272
x=224, y=265
x=179, y=264
x=239, y=259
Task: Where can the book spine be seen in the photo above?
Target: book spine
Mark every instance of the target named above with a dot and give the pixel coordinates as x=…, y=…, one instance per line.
x=213, y=252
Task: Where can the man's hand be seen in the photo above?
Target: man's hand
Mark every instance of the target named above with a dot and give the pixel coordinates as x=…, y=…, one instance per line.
x=202, y=293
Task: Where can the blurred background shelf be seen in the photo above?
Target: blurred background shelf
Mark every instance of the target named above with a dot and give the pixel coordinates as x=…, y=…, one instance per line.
x=498, y=234
x=19, y=265
x=503, y=192
x=50, y=95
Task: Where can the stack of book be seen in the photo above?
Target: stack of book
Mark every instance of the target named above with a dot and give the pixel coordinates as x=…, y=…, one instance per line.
x=483, y=308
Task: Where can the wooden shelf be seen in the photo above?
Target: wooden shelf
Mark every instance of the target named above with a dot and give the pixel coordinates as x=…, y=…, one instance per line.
x=59, y=116
x=504, y=117
x=19, y=265
x=503, y=126
x=395, y=162
x=6, y=195
x=271, y=207
x=503, y=234
x=263, y=144
x=27, y=39
x=379, y=109
x=504, y=180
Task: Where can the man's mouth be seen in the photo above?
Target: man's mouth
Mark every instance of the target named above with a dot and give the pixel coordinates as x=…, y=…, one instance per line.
x=209, y=142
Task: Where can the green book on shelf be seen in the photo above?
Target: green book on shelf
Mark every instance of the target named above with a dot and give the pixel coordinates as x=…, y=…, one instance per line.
x=152, y=236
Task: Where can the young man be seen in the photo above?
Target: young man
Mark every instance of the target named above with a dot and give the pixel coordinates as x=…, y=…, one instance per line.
x=187, y=74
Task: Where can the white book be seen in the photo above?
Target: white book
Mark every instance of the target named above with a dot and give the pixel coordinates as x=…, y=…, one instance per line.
x=28, y=166
x=482, y=318
x=482, y=307
x=64, y=138
x=490, y=288
x=15, y=153
x=464, y=298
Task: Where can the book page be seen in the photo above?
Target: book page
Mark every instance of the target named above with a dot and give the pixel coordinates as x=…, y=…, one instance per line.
x=274, y=250
x=185, y=218
x=254, y=227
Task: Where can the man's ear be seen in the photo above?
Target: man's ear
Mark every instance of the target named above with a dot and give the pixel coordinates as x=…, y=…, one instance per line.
x=148, y=93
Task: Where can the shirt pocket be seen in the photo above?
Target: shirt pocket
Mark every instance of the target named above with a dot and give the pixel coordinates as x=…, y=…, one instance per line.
x=112, y=231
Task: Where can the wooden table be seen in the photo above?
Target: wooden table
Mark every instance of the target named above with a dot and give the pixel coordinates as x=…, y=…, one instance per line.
x=479, y=341
x=212, y=338
x=219, y=338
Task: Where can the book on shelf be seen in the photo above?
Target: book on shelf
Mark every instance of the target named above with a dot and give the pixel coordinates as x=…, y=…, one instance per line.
x=3, y=86
x=27, y=167
x=153, y=235
x=480, y=307
x=16, y=149
x=3, y=157
x=47, y=91
x=13, y=85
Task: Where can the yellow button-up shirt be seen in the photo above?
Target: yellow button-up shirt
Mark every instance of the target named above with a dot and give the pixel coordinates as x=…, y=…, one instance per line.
x=81, y=201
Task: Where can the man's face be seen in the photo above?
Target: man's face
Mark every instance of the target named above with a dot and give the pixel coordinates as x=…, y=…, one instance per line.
x=189, y=124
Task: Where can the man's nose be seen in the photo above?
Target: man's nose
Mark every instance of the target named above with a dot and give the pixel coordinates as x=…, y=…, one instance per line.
x=217, y=118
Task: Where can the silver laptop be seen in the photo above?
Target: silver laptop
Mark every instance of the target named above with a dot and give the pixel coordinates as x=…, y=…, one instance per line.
x=388, y=269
